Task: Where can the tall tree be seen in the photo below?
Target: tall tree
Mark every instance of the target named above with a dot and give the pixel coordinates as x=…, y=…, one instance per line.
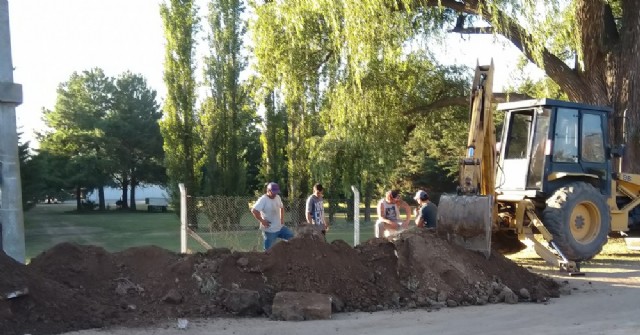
x=274, y=141
x=370, y=125
x=297, y=68
x=178, y=127
x=133, y=132
x=76, y=131
x=229, y=119
x=588, y=47
x=369, y=93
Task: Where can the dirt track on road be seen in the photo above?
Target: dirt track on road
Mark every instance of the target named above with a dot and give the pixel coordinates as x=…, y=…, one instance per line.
x=604, y=301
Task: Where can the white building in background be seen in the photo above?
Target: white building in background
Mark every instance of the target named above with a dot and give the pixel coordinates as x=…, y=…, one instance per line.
x=111, y=195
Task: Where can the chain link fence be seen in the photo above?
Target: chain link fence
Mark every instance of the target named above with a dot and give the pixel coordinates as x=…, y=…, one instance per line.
x=227, y=222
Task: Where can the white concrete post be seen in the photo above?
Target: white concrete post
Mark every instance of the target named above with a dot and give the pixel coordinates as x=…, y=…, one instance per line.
x=11, y=216
x=356, y=216
x=183, y=218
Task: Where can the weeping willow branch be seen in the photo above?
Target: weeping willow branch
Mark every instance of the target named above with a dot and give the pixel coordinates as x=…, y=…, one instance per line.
x=461, y=101
x=555, y=68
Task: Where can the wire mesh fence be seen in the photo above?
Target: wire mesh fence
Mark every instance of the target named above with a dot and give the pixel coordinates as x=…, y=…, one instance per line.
x=227, y=222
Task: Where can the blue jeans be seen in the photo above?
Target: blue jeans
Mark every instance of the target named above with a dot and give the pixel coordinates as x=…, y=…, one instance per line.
x=270, y=238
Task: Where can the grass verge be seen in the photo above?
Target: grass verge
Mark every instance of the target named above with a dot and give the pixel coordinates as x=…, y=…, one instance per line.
x=49, y=224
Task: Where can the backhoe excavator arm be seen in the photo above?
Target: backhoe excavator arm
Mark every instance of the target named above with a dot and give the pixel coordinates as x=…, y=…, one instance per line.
x=477, y=168
x=466, y=218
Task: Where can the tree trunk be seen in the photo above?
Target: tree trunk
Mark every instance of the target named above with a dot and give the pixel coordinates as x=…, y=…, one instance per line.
x=611, y=65
x=628, y=97
x=192, y=217
x=609, y=70
x=333, y=209
x=132, y=201
x=101, y=201
x=368, y=198
x=78, y=198
x=125, y=189
x=350, y=208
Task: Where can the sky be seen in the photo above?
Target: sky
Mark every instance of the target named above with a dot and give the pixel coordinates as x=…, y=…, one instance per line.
x=51, y=39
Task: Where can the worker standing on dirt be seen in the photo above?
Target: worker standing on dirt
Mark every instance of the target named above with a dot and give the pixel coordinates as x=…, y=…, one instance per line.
x=269, y=211
x=389, y=222
x=427, y=212
x=315, y=210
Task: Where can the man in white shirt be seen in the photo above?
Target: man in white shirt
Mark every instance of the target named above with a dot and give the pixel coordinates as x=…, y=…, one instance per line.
x=269, y=211
x=389, y=222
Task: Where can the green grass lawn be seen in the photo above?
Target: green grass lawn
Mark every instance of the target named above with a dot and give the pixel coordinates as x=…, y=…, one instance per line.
x=49, y=224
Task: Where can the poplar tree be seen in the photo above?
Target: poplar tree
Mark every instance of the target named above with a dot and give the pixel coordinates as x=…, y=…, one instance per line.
x=178, y=126
x=229, y=116
x=273, y=141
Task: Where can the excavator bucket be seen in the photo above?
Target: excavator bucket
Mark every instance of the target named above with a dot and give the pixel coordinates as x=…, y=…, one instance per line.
x=466, y=220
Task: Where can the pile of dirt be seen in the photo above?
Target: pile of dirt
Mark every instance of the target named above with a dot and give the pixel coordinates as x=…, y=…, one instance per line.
x=72, y=287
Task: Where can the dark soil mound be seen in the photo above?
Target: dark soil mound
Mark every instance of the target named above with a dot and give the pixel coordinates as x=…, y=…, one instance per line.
x=73, y=287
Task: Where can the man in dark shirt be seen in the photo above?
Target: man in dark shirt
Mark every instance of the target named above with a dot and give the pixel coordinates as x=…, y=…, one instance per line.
x=315, y=210
x=427, y=212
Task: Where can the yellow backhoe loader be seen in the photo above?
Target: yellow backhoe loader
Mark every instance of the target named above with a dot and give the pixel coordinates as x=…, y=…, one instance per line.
x=554, y=173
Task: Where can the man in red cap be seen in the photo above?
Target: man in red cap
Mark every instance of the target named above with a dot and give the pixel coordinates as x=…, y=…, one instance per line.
x=269, y=211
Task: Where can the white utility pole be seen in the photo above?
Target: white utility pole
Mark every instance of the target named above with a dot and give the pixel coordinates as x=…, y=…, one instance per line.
x=11, y=219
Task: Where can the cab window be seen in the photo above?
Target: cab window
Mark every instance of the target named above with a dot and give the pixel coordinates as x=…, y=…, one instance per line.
x=565, y=139
x=592, y=138
x=518, y=135
x=536, y=166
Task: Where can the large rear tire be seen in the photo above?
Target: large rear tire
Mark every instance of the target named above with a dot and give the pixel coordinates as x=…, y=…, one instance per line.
x=578, y=218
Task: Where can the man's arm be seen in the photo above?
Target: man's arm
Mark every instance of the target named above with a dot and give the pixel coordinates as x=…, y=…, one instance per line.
x=407, y=212
x=281, y=205
x=419, y=219
x=308, y=211
x=256, y=214
x=282, y=216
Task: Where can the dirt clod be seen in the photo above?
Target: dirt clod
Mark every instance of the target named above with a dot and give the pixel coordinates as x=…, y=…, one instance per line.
x=73, y=287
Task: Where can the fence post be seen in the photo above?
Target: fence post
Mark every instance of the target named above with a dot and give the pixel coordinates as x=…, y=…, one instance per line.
x=356, y=216
x=183, y=218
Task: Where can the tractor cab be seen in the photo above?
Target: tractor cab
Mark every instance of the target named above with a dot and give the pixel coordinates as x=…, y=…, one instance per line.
x=547, y=143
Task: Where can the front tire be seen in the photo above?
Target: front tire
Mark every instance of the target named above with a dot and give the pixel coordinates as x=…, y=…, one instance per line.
x=578, y=218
